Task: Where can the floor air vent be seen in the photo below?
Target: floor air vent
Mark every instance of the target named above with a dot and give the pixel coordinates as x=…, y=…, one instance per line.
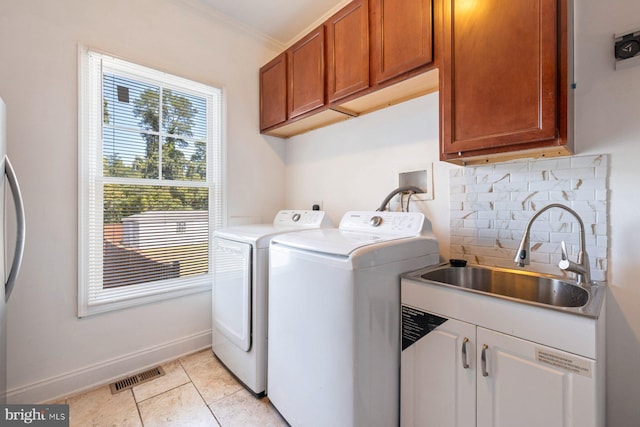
x=134, y=380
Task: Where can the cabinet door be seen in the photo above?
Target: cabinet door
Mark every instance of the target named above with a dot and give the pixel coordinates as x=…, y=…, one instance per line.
x=437, y=371
x=273, y=92
x=524, y=384
x=401, y=36
x=499, y=76
x=306, y=73
x=348, y=50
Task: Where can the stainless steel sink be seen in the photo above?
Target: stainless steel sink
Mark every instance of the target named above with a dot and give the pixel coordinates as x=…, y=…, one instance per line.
x=518, y=285
x=511, y=284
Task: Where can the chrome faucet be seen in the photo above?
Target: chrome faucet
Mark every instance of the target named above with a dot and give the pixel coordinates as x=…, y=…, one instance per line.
x=580, y=267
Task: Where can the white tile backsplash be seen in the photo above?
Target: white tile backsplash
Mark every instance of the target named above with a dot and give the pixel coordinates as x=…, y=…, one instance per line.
x=491, y=205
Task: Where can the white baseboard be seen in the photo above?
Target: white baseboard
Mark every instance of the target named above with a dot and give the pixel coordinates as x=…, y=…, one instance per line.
x=60, y=386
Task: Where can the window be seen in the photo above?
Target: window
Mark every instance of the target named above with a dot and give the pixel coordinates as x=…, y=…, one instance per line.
x=150, y=191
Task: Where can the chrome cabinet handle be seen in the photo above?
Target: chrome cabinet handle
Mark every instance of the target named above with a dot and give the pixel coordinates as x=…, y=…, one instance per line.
x=465, y=361
x=483, y=359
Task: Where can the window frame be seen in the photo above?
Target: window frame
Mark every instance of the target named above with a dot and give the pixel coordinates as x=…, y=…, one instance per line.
x=93, y=298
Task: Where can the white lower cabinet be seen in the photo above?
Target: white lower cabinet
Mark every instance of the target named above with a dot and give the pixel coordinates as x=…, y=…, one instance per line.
x=457, y=374
x=521, y=383
x=436, y=389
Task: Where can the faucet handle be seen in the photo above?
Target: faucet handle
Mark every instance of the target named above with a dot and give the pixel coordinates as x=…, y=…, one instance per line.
x=522, y=254
x=564, y=263
x=563, y=248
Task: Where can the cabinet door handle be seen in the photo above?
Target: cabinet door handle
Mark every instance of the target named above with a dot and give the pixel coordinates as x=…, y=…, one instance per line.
x=483, y=359
x=465, y=360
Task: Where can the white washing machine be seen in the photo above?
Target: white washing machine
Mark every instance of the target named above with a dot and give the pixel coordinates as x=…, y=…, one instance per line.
x=240, y=282
x=334, y=317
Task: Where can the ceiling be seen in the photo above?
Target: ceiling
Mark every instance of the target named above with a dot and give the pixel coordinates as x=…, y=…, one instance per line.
x=280, y=20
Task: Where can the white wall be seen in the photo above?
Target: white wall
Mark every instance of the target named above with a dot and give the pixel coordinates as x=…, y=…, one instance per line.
x=351, y=166
x=607, y=104
x=50, y=350
x=354, y=164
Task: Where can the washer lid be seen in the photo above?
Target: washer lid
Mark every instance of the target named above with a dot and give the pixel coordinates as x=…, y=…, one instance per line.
x=333, y=241
x=357, y=230
x=257, y=234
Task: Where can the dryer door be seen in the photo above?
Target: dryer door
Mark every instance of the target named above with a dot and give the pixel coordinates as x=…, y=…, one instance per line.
x=232, y=291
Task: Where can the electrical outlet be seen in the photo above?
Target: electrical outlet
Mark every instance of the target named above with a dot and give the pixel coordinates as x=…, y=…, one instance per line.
x=627, y=49
x=318, y=203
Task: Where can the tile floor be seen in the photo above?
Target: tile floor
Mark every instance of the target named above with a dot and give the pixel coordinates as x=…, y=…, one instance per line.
x=196, y=390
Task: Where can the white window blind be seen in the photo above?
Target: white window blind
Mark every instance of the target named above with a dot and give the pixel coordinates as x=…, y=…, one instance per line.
x=150, y=183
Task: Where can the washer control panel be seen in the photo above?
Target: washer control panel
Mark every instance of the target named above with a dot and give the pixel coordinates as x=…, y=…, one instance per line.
x=404, y=223
x=302, y=218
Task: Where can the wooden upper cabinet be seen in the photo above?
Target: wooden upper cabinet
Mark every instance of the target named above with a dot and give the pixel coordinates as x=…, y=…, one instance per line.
x=347, y=35
x=401, y=37
x=369, y=55
x=503, y=76
x=273, y=92
x=306, y=73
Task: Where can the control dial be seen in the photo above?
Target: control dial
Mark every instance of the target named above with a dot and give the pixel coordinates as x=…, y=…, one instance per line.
x=375, y=221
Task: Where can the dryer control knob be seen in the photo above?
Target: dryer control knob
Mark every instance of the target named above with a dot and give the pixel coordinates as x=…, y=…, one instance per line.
x=375, y=220
x=296, y=217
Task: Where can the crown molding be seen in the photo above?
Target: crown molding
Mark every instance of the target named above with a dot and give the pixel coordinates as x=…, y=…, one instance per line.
x=215, y=15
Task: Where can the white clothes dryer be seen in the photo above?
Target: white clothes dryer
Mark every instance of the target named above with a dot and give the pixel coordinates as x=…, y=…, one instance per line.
x=240, y=282
x=334, y=317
